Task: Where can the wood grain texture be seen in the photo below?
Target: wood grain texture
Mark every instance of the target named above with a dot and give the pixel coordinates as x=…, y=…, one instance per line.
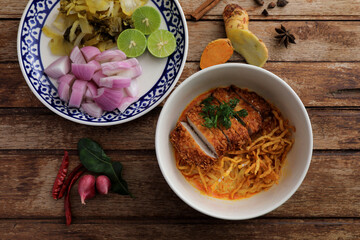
x=42, y=129
x=169, y=229
x=316, y=40
x=336, y=83
x=299, y=9
x=27, y=177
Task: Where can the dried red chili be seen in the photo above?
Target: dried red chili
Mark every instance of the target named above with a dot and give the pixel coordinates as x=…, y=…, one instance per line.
x=68, y=180
x=67, y=203
x=59, y=181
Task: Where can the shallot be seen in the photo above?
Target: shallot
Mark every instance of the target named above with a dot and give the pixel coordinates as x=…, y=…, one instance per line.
x=98, y=81
x=115, y=82
x=76, y=56
x=86, y=188
x=108, y=99
x=59, y=68
x=110, y=55
x=133, y=72
x=90, y=52
x=83, y=71
x=103, y=184
x=68, y=79
x=126, y=102
x=64, y=91
x=132, y=90
x=77, y=93
x=111, y=68
x=92, y=109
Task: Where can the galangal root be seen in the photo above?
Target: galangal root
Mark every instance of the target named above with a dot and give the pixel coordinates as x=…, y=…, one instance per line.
x=244, y=42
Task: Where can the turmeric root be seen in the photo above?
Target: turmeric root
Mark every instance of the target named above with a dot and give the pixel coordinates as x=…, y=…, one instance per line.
x=244, y=42
x=216, y=52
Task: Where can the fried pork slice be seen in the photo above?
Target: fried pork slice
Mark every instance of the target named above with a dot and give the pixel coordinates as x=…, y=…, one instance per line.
x=214, y=138
x=253, y=120
x=256, y=101
x=190, y=147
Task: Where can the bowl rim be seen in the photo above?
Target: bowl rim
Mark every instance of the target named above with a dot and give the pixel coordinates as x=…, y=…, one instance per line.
x=99, y=124
x=163, y=118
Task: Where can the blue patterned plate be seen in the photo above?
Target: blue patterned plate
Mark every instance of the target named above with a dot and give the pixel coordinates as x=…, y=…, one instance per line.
x=158, y=79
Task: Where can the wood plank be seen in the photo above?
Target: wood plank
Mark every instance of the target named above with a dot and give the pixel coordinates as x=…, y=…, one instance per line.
x=331, y=185
x=315, y=90
x=42, y=129
x=300, y=9
x=169, y=229
x=316, y=40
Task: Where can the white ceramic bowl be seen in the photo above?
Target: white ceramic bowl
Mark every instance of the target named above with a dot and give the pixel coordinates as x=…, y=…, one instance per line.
x=273, y=89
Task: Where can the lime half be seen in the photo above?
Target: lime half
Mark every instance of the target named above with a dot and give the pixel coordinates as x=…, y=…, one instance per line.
x=132, y=42
x=161, y=43
x=146, y=19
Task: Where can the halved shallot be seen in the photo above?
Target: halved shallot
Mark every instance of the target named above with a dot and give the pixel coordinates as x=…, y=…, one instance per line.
x=64, y=91
x=108, y=99
x=111, y=68
x=96, y=64
x=83, y=71
x=97, y=76
x=90, y=52
x=77, y=93
x=115, y=82
x=92, y=109
x=126, y=102
x=132, y=90
x=59, y=68
x=133, y=72
x=110, y=55
x=68, y=78
x=76, y=56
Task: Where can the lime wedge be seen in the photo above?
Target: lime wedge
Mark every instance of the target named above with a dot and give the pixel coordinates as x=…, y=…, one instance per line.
x=161, y=43
x=146, y=19
x=132, y=42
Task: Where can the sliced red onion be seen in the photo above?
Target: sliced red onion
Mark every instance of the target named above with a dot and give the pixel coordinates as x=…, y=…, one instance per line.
x=115, y=82
x=96, y=64
x=92, y=88
x=111, y=68
x=59, y=67
x=97, y=76
x=83, y=71
x=92, y=109
x=88, y=96
x=76, y=56
x=68, y=78
x=126, y=102
x=64, y=91
x=77, y=93
x=110, y=55
x=133, y=72
x=90, y=52
x=108, y=99
x=132, y=90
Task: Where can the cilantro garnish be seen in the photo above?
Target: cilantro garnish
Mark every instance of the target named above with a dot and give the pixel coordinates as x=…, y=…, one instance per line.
x=220, y=115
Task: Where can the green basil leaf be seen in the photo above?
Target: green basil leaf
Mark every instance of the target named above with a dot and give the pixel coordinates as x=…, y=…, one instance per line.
x=93, y=157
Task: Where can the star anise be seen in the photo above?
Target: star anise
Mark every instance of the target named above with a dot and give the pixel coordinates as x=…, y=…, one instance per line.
x=284, y=36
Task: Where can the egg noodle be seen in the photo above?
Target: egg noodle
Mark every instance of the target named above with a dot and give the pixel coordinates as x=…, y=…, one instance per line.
x=245, y=172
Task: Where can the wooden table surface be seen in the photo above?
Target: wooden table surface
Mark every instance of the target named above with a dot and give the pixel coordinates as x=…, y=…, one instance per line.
x=323, y=68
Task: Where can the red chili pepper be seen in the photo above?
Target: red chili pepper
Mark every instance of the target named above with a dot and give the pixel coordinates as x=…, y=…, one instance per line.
x=67, y=203
x=59, y=181
x=68, y=180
